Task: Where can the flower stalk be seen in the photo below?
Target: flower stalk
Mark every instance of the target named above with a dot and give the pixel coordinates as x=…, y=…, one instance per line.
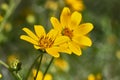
x=47, y=67
x=38, y=66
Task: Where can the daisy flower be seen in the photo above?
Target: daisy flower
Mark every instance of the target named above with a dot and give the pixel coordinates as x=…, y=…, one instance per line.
x=69, y=25
x=49, y=42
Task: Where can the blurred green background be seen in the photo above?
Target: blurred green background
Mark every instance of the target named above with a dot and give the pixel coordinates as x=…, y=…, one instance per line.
x=102, y=58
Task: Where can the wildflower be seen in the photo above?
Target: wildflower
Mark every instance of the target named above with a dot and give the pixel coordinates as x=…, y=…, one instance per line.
x=40, y=75
x=95, y=77
x=75, y=4
x=46, y=42
x=52, y=5
x=1, y=18
x=118, y=54
x=4, y=6
x=70, y=26
x=0, y=75
x=14, y=63
x=61, y=64
x=30, y=18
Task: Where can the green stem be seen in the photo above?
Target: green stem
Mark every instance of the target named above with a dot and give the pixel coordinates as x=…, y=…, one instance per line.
x=47, y=68
x=32, y=67
x=38, y=66
x=13, y=5
x=4, y=64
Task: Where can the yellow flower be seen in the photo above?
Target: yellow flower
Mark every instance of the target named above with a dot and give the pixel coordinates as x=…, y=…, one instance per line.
x=40, y=75
x=61, y=64
x=70, y=26
x=1, y=18
x=46, y=42
x=13, y=62
x=0, y=75
x=95, y=77
x=75, y=4
x=51, y=5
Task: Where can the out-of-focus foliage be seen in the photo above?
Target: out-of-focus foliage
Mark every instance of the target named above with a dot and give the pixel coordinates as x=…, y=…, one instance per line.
x=102, y=58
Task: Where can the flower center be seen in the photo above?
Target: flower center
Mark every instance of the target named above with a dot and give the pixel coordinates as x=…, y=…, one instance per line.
x=45, y=42
x=68, y=32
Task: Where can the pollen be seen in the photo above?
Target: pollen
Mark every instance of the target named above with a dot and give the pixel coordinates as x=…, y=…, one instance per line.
x=68, y=32
x=45, y=42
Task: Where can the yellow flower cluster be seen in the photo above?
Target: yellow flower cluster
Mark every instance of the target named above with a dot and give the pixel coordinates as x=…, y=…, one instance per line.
x=40, y=75
x=67, y=35
x=95, y=77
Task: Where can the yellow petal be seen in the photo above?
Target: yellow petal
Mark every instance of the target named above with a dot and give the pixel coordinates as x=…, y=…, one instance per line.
x=65, y=17
x=75, y=48
x=75, y=18
x=82, y=40
x=48, y=77
x=28, y=39
x=37, y=47
x=39, y=30
x=30, y=33
x=84, y=28
x=65, y=48
x=61, y=39
x=56, y=24
x=53, y=51
x=52, y=34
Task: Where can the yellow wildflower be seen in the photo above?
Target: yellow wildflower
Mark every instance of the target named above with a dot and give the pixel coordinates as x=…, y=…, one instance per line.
x=30, y=18
x=95, y=77
x=14, y=62
x=1, y=18
x=0, y=75
x=70, y=26
x=62, y=64
x=4, y=6
x=40, y=75
x=51, y=5
x=75, y=4
x=46, y=42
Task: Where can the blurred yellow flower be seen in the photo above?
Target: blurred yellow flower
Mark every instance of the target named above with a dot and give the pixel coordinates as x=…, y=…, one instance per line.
x=40, y=75
x=95, y=77
x=118, y=54
x=30, y=18
x=8, y=27
x=46, y=42
x=53, y=5
x=0, y=75
x=1, y=18
x=14, y=62
x=61, y=64
x=70, y=26
x=76, y=5
x=4, y=6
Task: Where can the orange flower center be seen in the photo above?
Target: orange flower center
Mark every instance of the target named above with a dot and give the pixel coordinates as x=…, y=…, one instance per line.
x=68, y=32
x=45, y=42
